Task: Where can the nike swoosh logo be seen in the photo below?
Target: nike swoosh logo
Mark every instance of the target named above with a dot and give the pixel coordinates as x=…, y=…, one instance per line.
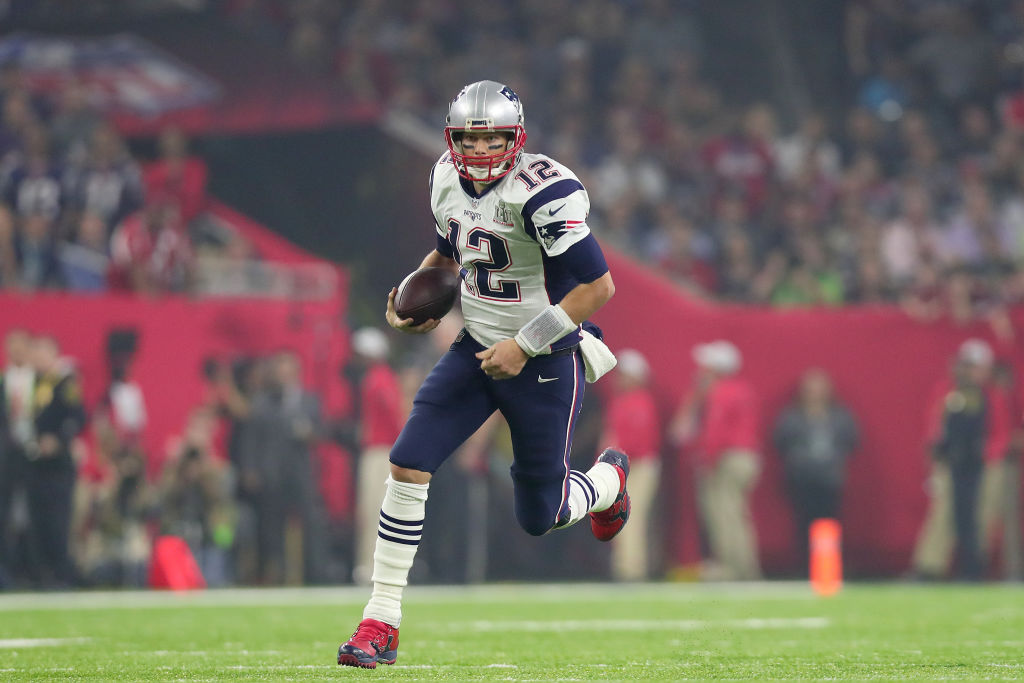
x=541, y=380
x=552, y=212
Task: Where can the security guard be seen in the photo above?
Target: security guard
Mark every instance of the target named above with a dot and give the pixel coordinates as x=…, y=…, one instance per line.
x=59, y=417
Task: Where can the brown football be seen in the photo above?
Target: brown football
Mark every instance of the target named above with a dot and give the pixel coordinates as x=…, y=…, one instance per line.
x=426, y=294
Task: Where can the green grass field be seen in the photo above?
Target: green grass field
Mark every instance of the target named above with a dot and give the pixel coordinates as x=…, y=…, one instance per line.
x=551, y=632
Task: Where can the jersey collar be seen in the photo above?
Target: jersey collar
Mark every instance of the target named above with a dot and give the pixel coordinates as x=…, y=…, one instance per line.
x=467, y=186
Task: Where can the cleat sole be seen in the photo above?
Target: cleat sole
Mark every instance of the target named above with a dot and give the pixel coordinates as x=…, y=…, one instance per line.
x=349, y=660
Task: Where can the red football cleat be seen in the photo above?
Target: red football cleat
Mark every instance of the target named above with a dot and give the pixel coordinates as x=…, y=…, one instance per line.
x=606, y=524
x=373, y=642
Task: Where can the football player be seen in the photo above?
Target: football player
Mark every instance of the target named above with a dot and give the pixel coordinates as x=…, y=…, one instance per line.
x=514, y=225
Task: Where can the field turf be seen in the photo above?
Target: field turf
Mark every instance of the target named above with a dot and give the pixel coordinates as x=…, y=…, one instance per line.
x=551, y=632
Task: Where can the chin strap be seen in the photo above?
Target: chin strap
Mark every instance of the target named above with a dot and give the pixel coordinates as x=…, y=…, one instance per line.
x=481, y=173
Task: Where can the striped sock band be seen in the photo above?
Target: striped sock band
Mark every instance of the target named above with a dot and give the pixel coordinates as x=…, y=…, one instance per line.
x=398, y=536
x=582, y=496
x=407, y=532
x=589, y=492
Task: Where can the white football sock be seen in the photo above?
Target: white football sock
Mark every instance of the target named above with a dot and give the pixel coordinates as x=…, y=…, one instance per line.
x=398, y=537
x=606, y=479
x=592, y=491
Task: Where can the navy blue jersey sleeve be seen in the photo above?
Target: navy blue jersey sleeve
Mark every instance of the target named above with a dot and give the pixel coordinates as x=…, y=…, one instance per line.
x=444, y=247
x=584, y=260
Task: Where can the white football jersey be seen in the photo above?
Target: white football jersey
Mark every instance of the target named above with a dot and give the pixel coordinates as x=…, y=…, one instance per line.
x=505, y=240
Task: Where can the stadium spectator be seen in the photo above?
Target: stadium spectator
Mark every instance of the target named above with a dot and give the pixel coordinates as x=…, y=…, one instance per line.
x=968, y=423
x=109, y=183
x=869, y=286
x=73, y=124
x=743, y=160
x=17, y=116
x=120, y=418
x=627, y=174
x=999, y=488
x=58, y=417
x=912, y=238
x=8, y=249
x=177, y=174
x=381, y=415
x=113, y=500
x=1013, y=535
x=277, y=475
x=808, y=148
x=974, y=234
x=865, y=136
x=17, y=385
x=33, y=182
x=814, y=437
x=740, y=277
x=195, y=497
x=634, y=426
x=113, y=507
x=683, y=252
x=231, y=388
x=84, y=259
x=36, y=250
x=718, y=421
x=150, y=251
x=810, y=279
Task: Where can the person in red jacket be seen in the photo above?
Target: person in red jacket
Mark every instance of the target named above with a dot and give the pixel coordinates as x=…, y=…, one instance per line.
x=719, y=422
x=178, y=174
x=999, y=515
x=381, y=415
x=633, y=425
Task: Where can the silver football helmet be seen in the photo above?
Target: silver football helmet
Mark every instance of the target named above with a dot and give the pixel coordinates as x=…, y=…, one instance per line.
x=485, y=106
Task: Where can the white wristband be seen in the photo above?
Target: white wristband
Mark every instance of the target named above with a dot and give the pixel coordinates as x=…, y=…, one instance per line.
x=550, y=325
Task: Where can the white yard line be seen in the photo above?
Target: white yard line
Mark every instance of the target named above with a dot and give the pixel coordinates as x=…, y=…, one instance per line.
x=20, y=643
x=639, y=624
x=280, y=667
x=357, y=595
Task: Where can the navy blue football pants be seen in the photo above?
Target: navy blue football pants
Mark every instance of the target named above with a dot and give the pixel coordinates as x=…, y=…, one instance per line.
x=541, y=405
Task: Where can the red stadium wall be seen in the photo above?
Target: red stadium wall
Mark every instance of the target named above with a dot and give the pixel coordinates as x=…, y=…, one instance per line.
x=884, y=366
x=176, y=335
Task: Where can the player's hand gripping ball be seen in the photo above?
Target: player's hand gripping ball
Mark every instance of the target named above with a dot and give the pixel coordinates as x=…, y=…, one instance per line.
x=426, y=294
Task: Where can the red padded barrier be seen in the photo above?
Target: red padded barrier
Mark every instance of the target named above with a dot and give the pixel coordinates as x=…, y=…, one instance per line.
x=176, y=334
x=884, y=366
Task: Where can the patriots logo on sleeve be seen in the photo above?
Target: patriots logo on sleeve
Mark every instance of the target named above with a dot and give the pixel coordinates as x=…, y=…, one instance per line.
x=552, y=231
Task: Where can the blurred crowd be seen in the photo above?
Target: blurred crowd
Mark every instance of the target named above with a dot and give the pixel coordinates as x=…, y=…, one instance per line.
x=260, y=484
x=85, y=496
x=79, y=211
x=911, y=191
x=266, y=484
x=908, y=191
